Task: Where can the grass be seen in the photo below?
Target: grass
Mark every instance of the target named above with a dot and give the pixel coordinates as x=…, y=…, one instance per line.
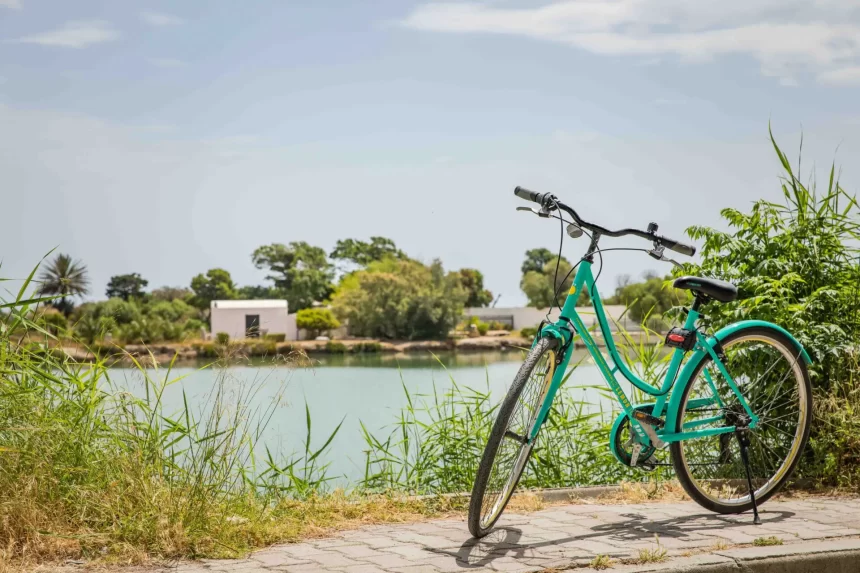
x=439, y=437
x=601, y=562
x=765, y=541
x=89, y=470
x=653, y=555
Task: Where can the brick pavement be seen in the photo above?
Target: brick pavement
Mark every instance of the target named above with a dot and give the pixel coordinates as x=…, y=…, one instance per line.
x=561, y=537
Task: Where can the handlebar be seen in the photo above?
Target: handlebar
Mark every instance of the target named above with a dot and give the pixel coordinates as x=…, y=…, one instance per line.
x=540, y=198
x=550, y=202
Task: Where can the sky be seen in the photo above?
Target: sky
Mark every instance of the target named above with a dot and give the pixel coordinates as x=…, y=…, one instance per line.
x=167, y=138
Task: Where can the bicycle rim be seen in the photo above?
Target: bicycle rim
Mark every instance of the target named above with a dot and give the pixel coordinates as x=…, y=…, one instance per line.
x=513, y=450
x=771, y=377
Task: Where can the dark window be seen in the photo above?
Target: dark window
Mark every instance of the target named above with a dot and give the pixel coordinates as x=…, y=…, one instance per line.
x=252, y=325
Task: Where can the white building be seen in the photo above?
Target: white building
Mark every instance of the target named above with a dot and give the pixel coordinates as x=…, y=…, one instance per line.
x=252, y=318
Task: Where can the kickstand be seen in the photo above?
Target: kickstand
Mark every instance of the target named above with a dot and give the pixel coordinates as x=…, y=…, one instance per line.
x=744, y=442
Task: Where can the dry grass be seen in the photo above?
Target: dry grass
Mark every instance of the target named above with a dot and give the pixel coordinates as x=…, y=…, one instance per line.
x=53, y=542
x=640, y=492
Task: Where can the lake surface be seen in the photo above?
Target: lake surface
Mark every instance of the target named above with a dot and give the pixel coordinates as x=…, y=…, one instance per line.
x=367, y=388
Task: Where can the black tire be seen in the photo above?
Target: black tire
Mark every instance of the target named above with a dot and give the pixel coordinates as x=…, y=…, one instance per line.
x=725, y=468
x=486, y=481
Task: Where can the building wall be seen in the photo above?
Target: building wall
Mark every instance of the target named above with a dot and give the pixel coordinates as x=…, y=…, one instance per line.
x=272, y=321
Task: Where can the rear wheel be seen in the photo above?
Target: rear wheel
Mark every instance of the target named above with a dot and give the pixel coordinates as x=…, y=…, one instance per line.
x=508, y=449
x=772, y=377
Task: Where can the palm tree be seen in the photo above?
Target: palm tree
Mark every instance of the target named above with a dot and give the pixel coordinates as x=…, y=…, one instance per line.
x=66, y=278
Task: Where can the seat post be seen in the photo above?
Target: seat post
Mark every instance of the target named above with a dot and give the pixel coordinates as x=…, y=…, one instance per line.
x=698, y=300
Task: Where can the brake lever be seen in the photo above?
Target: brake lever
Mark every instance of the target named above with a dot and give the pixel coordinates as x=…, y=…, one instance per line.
x=657, y=253
x=539, y=212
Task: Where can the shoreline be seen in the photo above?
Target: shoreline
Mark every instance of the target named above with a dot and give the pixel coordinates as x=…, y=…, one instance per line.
x=163, y=354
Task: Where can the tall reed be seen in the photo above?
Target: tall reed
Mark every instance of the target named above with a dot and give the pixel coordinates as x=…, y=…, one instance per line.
x=89, y=468
x=438, y=438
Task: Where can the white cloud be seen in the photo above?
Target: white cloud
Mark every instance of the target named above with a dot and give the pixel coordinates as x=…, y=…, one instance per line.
x=787, y=37
x=14, y=4
x=75, y=34
x=160, y=19
x=166, y=62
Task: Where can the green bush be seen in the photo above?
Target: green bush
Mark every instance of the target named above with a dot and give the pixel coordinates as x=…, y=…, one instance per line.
x=276, y=337
x=261, y=348
x=498, y=325
x=334, y=347
x=366, y=346
x=138, y=321
x=222, y=338
x=316, y=321
x=796, y=265
x=206, y=350
x=528, y=332
x=483, y=328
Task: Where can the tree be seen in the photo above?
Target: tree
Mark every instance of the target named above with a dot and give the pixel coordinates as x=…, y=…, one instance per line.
x=65, y=278
x=171, y=293
x=216, y=284
x=259, y=292
x=316, y=321
x=652, y=297
x=400, y=299
x=138, y=320
x=126, y=286
x=301, y=271
x=473, y=281
x=536, y=260
x=363, y=253
x=540, y=287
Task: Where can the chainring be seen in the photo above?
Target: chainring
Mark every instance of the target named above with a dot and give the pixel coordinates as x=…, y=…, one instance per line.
x=623, y=440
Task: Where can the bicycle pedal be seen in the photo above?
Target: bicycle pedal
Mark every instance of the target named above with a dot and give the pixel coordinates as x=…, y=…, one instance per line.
x=647, y=418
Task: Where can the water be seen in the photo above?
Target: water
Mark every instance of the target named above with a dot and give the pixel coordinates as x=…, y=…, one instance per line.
x=353, y=388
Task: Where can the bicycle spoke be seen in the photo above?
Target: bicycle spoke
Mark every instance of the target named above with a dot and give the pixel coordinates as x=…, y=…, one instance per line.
x=767, y=377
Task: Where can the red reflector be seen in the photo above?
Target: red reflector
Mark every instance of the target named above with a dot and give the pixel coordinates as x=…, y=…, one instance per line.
x=676, y=338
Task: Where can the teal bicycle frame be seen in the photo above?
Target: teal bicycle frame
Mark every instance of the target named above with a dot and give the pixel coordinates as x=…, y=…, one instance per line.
x=676, y=375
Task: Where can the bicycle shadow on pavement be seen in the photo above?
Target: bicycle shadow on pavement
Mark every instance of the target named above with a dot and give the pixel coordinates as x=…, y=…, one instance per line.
x=507, y=541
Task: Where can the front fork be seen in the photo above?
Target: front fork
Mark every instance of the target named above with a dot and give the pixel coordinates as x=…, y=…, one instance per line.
x=562, y=358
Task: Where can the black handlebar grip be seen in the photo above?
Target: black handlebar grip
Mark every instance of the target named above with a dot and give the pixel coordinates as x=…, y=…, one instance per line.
x=528, y=195
x=688, y=250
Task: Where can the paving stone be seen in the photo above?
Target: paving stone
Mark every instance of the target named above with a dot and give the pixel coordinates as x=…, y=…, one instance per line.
x=358, y=551
x=277, y=558
x=388, y=560
x=511, y=565
x=416, y=569
x=411, y=552
x=376, y=541
x=334, y=559
x=562, y=537
x=363, y=569
x=752, y=553
x=300, y=550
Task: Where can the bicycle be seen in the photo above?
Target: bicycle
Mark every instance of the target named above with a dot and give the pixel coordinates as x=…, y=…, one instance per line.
x=748, y=381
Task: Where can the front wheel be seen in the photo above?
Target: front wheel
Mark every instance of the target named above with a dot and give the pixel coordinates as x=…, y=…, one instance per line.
x=508, y=448
x=768, y=370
